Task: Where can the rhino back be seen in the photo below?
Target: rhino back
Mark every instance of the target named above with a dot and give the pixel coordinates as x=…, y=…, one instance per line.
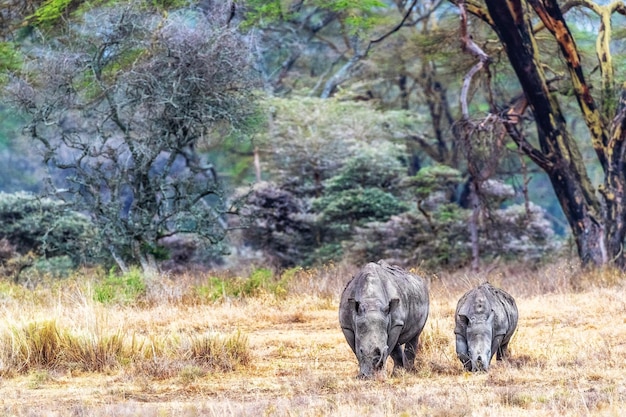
x=475, y=302
x=401, y=284
x=412, y=291
x=507, y=312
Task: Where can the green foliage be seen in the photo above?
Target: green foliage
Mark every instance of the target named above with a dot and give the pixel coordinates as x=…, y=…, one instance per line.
x=326, y=253
x=357, y=14
x=10, y=58
x=361, y=192
x=357, y=206
x=214, y=289
x=372, y=167
x=49, y=12
x=47, y=227
x=169, y=4
x=10, y=125
x=310, y=140
x=125, y=288
x=56, y=267
x=233, y=159
x=434, y=178
x=260, y=281
x=179, y=79
x=159, y=252
x=263, y=12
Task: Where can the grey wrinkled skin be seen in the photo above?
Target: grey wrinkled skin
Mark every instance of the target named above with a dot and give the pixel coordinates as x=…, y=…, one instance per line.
x=485, y=319
x=382, y=312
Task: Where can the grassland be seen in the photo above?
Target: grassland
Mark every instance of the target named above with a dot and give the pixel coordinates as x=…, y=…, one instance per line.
x=180, y=349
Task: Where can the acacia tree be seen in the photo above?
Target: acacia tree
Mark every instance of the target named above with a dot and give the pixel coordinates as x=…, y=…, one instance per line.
x=121, y=103
x=596, y=214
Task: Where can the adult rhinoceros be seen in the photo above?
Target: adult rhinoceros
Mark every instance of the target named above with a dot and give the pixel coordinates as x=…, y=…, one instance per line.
x=382, y=312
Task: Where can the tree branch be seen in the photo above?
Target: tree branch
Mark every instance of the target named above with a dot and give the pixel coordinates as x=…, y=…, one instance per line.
x=552, y=17
x=469, y=46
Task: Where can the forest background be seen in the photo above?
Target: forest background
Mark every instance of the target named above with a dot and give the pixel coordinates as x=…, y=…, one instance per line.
x=302, y=133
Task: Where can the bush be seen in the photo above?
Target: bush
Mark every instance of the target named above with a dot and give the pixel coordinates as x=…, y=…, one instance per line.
x=47, y=228
x=442, y=239
x=280, y=225
x=365, y=190
x=356, y=206
x=412, y=239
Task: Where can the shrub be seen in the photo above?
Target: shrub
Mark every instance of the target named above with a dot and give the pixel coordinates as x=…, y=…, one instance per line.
x=46, y=227
x=442, y=238
x=280, y=225
x=356, y=206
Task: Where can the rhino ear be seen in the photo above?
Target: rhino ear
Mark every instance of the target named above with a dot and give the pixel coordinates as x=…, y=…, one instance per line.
x=393, y=304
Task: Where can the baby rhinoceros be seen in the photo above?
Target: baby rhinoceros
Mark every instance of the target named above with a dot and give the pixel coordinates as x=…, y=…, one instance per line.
x=485, y=318
x=382, y=309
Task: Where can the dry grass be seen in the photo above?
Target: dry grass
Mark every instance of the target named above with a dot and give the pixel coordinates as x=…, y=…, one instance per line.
x=173, y=354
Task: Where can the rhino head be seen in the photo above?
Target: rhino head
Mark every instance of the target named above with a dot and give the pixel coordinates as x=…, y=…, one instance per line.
x=479, y=336
x=372, y=323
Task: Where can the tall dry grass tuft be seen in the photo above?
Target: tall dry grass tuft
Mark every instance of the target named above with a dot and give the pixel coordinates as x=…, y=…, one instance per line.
x=46, y=345
x=217, y=352
x=94, y=352
x=33, y=345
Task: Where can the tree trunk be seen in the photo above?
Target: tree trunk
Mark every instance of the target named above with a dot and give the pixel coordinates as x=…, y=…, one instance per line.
x=118, y=260
x=614, y=187
x=473, y=226
x=147, y=261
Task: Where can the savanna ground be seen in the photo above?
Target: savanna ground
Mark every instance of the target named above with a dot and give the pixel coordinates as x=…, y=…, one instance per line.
x=280, y=352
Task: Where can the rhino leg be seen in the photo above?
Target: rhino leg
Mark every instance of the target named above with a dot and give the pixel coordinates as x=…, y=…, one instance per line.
x=399, y=359
x=410, y=350
x=497, y=346
x=503, y=351
x=462, y=352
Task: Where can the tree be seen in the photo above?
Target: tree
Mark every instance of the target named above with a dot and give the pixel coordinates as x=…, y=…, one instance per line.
x=333, y=165
x=596, y=213
x=122, y=102
x=309, y=139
